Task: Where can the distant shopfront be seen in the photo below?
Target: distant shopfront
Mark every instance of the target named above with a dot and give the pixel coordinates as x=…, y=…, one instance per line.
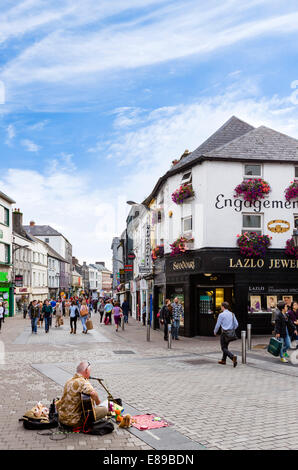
x=203, y=279
x=6, y=293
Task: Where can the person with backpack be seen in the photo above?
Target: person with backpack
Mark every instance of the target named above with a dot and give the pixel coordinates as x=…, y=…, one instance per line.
x=166, y=316
x=108, y=312
x=47, y=311
x=84, y=313
x=74, y=314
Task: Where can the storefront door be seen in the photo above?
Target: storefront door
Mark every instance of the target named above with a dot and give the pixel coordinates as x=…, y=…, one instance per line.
x=209, y=299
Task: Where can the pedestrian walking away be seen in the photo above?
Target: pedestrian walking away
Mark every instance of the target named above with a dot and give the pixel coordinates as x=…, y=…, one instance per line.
x=284, y=330
x=125, y=310
x=47, y=312
x=166, y=316
x=228, y=324
x=25, y=309
x=177, y=315
x=117, y=314
x=74, y=314
x=84, y=313
x=59, y=314
x=108, y=312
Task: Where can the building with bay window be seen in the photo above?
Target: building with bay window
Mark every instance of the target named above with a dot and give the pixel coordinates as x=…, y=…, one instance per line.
x=223, y=218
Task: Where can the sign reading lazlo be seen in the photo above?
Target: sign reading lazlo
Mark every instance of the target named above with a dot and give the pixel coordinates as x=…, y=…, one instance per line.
x=273, y=263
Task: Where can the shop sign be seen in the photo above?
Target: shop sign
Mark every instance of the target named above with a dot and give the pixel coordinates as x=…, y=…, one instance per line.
x=18, y=281
x=144, y=270
x=256, y=206
x=278, y=226
x=184, y=265
x=273, y=263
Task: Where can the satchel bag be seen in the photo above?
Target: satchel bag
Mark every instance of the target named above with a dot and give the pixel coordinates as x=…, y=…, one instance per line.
x=230, y=335
x=274, y=347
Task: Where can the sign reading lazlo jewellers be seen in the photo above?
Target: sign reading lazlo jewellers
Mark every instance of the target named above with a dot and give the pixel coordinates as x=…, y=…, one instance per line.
x=238, y=204
x=273, y=263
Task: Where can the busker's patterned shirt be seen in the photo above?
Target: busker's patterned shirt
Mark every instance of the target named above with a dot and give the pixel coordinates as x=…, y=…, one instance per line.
x=69, y=407
x=177, y=311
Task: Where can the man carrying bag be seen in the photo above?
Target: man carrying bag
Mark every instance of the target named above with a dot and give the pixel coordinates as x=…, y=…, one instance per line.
x=228, y=323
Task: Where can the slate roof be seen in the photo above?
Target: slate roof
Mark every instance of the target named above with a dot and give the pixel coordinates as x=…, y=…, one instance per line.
x=260, y=144
x=231, y=130
x=41, y=230
x=237, y=140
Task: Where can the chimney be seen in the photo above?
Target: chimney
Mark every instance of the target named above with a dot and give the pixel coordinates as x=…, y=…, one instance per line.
x=17, y=221
x=32, y=223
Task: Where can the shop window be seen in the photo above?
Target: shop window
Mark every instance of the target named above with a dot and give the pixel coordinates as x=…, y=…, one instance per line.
x=252, y=171
x=264, y=300
x=252, y=223
x=186, y=178
x=187, y=224
x=6, y=253
x=6, y=216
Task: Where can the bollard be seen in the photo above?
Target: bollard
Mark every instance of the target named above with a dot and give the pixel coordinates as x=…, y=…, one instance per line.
x=122, y=322
x=169, y=336
x=243, y=339
x=148, y=331
x=249, y=337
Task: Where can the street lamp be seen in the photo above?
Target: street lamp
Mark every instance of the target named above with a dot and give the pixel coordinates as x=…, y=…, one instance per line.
x=295, y=237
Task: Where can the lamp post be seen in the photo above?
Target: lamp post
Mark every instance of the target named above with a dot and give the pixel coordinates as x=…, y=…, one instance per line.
x=147, y=255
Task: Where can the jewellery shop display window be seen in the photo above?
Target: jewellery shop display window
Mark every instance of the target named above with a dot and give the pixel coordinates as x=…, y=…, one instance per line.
x=264, y=299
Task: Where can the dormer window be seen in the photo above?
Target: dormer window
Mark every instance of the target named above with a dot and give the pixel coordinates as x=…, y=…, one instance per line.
x=252, y=171
x=186, y=178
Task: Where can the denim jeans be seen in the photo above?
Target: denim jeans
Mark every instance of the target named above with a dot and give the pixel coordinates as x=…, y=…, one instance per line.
x=125, y=315
x=47, y=323
x=175, y=329
x=286, y=344
x=34, y=324
x=83, y=320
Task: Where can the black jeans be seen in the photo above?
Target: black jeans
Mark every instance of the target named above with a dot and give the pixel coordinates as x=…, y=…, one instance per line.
x=101, y=315
x=73, y=321
x=165, y=330
x=225, y=348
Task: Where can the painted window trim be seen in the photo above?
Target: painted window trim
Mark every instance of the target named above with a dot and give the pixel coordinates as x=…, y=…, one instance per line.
x=253, y=176
x=8, y=211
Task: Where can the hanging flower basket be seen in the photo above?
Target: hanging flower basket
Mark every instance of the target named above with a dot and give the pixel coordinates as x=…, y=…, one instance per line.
x=252, y=189
x=181, y=245
x=157, y=252
x=292, y=191
x=253, y=245
x=184, y=192
x=290, y=249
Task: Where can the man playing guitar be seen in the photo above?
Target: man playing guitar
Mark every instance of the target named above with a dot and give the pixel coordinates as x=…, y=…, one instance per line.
x=70, y=408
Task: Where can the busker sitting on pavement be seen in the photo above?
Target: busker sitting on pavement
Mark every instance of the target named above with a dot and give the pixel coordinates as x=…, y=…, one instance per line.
x=69, y=407
x=227, y=321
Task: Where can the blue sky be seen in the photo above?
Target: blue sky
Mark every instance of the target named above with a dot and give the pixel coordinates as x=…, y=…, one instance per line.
x=97, y=98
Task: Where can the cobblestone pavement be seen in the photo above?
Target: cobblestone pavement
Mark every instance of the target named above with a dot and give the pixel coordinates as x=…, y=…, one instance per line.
x=220, y=407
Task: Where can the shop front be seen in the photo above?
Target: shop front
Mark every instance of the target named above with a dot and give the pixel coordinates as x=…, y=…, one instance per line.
x=6, y=294
x=203, y=279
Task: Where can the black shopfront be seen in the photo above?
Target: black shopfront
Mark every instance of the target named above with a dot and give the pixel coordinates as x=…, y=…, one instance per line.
x=203, y=279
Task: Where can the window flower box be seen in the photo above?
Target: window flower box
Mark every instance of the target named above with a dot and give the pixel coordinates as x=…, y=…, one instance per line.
x=157, y=252
x=292, y=191
x=253, y=245
x=252, y=189
x=290, y=249
x=184, y=192
x=181, y=245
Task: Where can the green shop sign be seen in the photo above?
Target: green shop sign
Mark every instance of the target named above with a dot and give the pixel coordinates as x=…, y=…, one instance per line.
x=3, y=277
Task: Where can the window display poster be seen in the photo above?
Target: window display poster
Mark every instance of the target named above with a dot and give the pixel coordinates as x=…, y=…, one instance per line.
x=255, y=303
x=288, y=299
x=271, y=301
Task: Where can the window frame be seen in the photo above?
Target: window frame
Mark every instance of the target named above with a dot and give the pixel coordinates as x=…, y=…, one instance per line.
x=188, y=178
x=183, y=219
x=259, y=230
x=245, y=176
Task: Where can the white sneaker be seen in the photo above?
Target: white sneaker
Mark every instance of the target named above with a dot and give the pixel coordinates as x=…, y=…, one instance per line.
x=283, y=359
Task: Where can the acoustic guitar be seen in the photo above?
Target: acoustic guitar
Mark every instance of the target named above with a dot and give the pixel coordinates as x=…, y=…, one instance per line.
x=88, y=409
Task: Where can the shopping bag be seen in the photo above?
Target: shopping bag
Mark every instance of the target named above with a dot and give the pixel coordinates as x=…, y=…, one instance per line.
x=61, y=321
x=274, y=346
x=89, y=325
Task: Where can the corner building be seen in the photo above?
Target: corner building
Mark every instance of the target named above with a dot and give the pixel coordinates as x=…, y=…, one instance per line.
x=212, y=269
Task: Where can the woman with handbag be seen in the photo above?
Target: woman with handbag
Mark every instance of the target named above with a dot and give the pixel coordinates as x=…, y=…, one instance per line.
x=84, y=313
x=228, y=323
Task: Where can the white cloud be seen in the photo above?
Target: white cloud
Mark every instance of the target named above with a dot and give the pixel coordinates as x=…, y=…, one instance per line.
x=30, y=146
x=11, y=133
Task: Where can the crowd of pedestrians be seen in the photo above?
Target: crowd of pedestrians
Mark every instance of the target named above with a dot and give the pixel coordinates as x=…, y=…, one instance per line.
x=76, y=308
x=285, y=323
